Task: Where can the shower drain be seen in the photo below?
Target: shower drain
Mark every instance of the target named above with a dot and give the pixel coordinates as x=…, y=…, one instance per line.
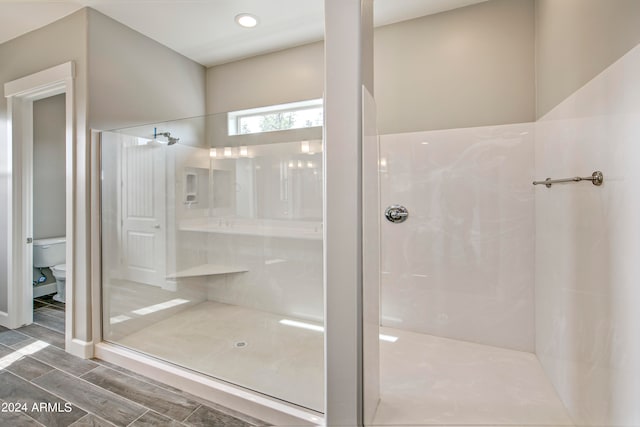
x=240, y=344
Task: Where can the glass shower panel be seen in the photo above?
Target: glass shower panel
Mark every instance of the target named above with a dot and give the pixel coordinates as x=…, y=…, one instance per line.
x=212, y=252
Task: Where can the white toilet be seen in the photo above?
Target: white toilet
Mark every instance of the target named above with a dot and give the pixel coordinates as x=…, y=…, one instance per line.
x=51, y=253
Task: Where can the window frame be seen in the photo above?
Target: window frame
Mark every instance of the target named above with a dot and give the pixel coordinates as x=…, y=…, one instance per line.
x=234, y=118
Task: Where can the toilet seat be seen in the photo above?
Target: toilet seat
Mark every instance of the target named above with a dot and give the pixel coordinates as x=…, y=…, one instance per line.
x=59, y=271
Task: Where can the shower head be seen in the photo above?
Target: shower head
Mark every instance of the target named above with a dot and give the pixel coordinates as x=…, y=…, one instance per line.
x=171, y=140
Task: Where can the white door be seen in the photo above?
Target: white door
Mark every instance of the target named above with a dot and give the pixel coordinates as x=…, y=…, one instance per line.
x=143, y=212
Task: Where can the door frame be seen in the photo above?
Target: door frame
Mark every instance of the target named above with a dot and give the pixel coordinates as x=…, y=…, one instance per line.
x=21, y=94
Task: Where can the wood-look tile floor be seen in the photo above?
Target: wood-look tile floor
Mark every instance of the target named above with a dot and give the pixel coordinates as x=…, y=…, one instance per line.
x=49, y=313
x=41, y=385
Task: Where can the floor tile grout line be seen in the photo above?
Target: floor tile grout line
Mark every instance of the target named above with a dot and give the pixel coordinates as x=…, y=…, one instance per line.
x=37, y=324
x=77, y=405
x=18, y=332
x=182, y=393
x=27, y=415
x=88, y=382
x=39, y=361
x=86, y=373
x=51, y=329
x=46, y=311
x=48, y=304
x=35, y=378
x=135, y=377
x=192, y=412
x=108, y=391
x=81, y=377
x=48, y=307
x=143, y=379
x=50, y=365
x=138, y=377
x=38, y=422
x=199, y=405
x=28, y=356
x=49, y=392
x=116, y=394
x=97, y=416
x=140, y=404
x=141, y=415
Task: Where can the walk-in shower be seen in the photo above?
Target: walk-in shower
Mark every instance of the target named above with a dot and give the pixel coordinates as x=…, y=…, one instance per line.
x=490, y=301
x=212, y=253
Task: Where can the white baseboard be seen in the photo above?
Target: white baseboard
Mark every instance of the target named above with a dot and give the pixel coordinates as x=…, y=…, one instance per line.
x=79, y=348
x=256, y=405
x=41, y=290
x=4, y=319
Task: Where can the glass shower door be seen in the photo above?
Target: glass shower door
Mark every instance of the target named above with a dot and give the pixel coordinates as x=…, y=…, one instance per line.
x=212, y=252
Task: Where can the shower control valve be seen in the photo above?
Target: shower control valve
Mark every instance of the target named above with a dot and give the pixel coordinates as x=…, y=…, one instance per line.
x=396, y=213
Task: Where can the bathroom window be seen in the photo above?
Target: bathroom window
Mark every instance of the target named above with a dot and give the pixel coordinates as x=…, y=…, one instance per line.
x=294, y=115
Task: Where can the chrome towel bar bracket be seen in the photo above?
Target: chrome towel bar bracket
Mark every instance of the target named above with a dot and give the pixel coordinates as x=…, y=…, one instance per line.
x=596, y=178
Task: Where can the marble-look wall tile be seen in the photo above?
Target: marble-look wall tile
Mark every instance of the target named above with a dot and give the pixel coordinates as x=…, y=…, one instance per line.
x=284, y=275
x=461, y=266
x=272, y=228
x=587, y=242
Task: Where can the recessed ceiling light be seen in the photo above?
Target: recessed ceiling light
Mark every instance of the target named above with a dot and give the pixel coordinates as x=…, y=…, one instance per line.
x=246, y=20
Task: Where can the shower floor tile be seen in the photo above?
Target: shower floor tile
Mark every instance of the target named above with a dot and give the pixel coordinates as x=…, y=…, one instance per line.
x=433, y=381
x=244, y=346
x=425, y=380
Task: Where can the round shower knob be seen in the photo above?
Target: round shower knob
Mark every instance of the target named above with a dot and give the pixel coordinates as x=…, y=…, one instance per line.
x=396, y=213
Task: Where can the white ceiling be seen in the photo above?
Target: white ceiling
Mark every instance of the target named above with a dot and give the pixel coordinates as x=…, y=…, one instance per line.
x=204, y=30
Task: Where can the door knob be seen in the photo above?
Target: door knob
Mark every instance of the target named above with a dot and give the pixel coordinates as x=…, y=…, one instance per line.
x=396, y=213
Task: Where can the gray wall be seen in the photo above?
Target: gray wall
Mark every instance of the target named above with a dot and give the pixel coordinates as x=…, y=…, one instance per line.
x=133, y=80
x=49, y=188
x=467, y=67
x=136, y=80
x=286, y=76
x=578, y=39
x=60, y=42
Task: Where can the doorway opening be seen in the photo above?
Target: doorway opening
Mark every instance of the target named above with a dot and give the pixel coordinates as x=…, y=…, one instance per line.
x=49, y=219
x=40, y=208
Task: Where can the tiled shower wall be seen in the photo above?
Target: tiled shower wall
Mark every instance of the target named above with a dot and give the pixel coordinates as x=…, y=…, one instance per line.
x=587, y=245
x=462, y=265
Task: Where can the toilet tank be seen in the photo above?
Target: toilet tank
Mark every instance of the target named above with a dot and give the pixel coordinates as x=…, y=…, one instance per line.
x=49, y=252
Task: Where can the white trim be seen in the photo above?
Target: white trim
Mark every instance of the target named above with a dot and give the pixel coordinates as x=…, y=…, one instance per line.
x=38, y=85
x=21, y=94
x=348, y=44
x=96, y=237
x=79, y=348
x=70, y=205
x=48, y=289
x=255, y=405
x=371, y=336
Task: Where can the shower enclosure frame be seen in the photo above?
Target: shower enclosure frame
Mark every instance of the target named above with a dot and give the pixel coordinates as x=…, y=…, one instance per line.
x=348, y=76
